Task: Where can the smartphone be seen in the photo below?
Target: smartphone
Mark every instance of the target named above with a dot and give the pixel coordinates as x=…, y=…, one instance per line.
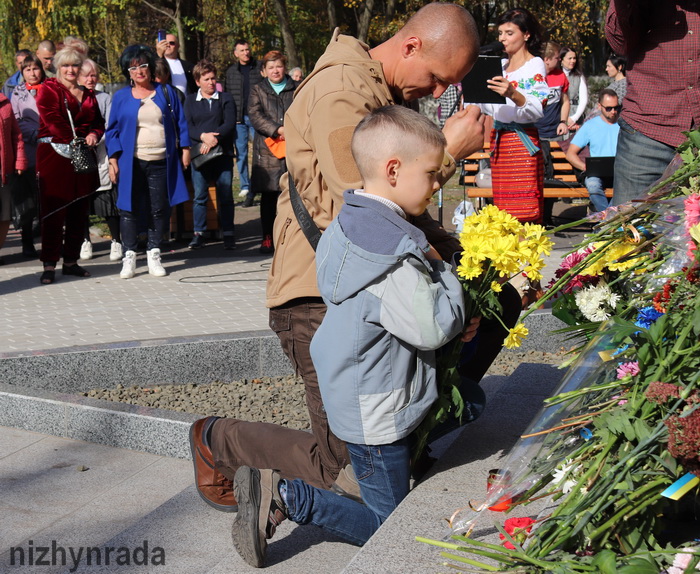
x=161, y=35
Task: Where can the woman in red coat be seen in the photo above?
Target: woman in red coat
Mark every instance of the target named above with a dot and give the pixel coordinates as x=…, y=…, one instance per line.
x=63, y=192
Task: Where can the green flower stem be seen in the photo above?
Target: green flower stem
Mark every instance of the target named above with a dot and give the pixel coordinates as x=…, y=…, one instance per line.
x=580, y=392
x=471, y=562
x=631, y=508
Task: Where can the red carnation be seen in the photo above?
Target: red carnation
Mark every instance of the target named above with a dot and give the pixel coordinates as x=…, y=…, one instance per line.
x=518, y=528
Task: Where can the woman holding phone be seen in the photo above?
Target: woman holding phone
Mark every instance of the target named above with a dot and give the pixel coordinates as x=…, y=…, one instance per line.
x=517, y=167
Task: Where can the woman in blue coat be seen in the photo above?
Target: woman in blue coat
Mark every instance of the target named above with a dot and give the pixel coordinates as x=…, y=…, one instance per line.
x=147, y=131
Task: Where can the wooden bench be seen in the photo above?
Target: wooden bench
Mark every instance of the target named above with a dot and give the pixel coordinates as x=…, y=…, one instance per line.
x=182, y=220
x=563, y=172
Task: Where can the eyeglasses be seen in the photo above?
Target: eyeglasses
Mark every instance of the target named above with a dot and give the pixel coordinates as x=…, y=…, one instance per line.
x=611, y=108
x=172, y=43
x=139, y=67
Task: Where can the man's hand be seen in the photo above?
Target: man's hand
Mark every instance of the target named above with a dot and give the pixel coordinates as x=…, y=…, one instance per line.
x=471, y=329
x=464, y=132
x=161, y=47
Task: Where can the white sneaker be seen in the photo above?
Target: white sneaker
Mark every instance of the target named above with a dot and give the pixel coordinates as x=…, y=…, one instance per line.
x=86, y=250
x=155, y=267
x=115, y=251
x=243, y=192
x=128, y=265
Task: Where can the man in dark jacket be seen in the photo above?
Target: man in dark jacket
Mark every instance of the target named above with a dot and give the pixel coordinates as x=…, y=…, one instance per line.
x=240, y=78
x=211, y=120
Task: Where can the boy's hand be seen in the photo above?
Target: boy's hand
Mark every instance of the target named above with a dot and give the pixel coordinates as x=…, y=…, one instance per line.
x=471, y=329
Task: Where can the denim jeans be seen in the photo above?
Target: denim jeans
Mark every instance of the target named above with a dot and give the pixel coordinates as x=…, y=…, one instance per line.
x=639, y=162
x=149, y=195
x=219, y=170
x=244, y=132
x=383, y=473
x=596, y=191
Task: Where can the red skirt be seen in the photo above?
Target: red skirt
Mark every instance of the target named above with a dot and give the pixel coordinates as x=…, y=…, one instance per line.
x=517, y=177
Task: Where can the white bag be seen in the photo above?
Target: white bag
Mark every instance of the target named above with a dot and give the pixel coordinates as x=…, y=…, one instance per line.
x=464, y=209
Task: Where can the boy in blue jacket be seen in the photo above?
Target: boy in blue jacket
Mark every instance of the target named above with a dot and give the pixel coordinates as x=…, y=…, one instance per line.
x=391, y=303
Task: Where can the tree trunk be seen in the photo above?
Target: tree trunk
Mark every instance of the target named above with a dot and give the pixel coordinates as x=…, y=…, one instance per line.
x=290, y=47
x=365, y=20
x=333, y=21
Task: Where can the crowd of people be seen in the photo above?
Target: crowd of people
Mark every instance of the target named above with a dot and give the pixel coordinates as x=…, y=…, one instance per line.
x=347, y=172
x=174, y=122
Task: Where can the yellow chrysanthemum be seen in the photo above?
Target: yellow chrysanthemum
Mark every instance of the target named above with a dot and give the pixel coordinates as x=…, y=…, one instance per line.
x=496, y=287
x=468, y=268
x=618, y=251
x=473, y=248
x=504, y=255
x=533, y=271
x=515, y=336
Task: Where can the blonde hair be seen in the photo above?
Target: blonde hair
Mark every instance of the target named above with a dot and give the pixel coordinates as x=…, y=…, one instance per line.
x=392, y=131
x=551, y=50
x=67, y=55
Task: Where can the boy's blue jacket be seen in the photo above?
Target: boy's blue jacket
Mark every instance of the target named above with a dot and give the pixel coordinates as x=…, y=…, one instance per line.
x=389, y=308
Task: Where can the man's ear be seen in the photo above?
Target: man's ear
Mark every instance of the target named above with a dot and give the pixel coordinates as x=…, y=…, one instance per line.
x=391, y=170
x=411, y=46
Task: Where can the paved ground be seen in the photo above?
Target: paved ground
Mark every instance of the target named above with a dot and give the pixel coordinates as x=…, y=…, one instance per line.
x=63, y=494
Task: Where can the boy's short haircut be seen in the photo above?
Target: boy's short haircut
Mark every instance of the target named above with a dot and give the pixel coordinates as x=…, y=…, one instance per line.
x=392, y=130
x=551, y=50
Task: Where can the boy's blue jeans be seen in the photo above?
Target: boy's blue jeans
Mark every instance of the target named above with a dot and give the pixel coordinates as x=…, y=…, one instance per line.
x=383, y=473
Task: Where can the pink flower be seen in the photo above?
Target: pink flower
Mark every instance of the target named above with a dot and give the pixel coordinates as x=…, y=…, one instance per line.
x=692, y=210
x=631, y=369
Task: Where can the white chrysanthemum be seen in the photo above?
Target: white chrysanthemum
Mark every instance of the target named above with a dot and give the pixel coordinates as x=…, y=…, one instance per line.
x=560, y=474
x=597, y=301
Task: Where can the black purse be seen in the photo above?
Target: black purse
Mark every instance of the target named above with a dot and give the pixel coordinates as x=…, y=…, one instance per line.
x=198, y=159
x=82, y=156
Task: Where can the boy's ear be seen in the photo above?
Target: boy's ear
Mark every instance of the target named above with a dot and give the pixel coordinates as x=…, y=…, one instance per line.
x=391, y=170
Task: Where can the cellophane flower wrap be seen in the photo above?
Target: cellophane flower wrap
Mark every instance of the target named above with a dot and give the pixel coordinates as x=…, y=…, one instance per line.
x=610, y=449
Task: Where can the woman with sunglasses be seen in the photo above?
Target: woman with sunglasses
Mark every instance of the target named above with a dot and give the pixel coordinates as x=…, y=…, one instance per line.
x=146, y=135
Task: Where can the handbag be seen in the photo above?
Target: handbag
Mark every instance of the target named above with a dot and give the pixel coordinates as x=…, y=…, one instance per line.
x=198, y=159
x=82, y=156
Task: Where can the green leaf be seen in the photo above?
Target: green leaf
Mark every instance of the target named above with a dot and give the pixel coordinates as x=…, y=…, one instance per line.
x=638, y=566
x=606, y=562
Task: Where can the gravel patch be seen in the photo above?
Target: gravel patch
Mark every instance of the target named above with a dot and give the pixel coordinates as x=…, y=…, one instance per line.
x=278, y=400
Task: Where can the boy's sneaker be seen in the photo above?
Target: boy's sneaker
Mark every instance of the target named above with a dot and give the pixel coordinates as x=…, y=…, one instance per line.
x=197, y=241
x=267, y=247
x=86, y=250
x=260, y=512
x=128, y=265
x=155, y=267
x=115, y=251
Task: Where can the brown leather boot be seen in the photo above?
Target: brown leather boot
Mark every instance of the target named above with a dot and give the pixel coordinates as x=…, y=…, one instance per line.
x=213, y=487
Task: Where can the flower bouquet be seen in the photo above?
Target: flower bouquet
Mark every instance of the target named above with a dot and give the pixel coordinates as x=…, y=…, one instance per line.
x=619, y=443
x=495, y=248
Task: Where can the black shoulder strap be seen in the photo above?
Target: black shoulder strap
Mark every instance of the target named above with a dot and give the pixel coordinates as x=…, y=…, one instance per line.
x=306, y=222
x=166, y=93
